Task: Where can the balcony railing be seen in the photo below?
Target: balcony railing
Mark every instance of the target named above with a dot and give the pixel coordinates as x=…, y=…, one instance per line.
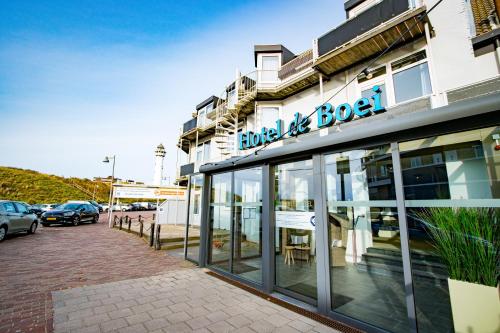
x=189, y=125
x=358, y=25
x=187, y=169
x=295, y=65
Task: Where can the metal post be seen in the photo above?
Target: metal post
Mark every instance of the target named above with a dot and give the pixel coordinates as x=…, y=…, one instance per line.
x=129, y=221
x=188, y=203
x=205, y=221
x=152, y=234
x=321, y=233
x=403, y=231
x=141, y=226
x=110, y=211
x=157, y=237
x=268, y=225
x=121, y=222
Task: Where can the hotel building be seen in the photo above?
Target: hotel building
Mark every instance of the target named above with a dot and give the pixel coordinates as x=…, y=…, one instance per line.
x=323, y=211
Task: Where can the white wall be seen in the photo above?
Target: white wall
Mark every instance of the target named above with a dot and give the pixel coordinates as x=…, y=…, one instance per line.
x=454, y=62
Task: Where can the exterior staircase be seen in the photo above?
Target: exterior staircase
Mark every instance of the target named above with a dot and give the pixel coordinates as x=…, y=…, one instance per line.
x=227, y=119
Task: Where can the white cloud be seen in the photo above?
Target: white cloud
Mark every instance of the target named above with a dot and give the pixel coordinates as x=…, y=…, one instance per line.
x=70, y=102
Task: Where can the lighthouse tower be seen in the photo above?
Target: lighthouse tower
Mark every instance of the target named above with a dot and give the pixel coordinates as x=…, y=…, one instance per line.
x=159, y=157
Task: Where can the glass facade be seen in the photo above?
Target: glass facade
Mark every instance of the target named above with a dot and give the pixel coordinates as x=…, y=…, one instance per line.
x=369, y=221
x=455, y=170
x=235, y=223
x=295, y=246
x=366, y=268
x=194, y=218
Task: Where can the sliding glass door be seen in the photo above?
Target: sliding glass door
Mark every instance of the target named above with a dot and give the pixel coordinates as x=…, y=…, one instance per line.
x=295, y=243
x=235, y=223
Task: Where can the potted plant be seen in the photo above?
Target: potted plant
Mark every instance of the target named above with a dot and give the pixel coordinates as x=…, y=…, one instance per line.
x=467, y=240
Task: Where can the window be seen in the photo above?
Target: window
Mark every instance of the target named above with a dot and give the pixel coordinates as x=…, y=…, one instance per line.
x=270, y=67
x=206, y=151
x=21, y=208
x=199, y=153
x=374, y=77
x=456, y=171
x=235, y=223
x=268, y=116
x=368, y=93
x=9, y=207
x=201, y=118
x=411, y=77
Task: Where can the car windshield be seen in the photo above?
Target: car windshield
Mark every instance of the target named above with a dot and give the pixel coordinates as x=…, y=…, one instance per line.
x=70, y=206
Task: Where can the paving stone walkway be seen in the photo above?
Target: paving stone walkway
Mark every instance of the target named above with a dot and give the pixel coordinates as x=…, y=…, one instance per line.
x=55, y=258
x=185, y=300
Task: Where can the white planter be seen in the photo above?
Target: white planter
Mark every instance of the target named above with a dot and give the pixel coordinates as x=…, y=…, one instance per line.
x=475, y=307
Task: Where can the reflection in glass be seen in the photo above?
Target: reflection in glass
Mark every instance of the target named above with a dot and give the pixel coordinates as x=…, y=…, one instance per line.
x=220, y=221
x=193, y=232
x=247, y=253
x=366, y=267
x=449, y=171
x=294, y=237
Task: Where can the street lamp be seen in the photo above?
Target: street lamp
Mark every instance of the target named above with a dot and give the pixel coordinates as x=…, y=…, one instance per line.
x=110, y=209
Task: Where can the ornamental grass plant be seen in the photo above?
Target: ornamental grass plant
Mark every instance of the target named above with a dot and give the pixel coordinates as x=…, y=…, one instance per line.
x=467, y=240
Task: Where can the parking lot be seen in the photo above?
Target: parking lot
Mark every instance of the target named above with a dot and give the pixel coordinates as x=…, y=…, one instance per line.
x=58, y=258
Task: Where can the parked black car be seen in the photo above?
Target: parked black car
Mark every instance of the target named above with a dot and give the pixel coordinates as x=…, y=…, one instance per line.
x=37, y=209
x=96, y=205
x=70, y=213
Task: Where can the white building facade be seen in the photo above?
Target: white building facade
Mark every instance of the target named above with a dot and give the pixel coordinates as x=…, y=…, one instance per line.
x=309, y=176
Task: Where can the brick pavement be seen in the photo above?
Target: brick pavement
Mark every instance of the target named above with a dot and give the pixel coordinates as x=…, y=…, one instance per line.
x=186, y=300
x=58, y=258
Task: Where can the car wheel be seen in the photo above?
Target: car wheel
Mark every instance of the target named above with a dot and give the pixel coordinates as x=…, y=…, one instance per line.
x=3, y=233
x=32, y=228
x=76, y=221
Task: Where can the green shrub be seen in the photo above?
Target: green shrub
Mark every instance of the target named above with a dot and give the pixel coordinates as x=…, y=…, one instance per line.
x=467, y=240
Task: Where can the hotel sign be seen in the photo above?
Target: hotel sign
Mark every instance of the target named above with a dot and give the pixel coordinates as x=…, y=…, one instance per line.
x=327, y=115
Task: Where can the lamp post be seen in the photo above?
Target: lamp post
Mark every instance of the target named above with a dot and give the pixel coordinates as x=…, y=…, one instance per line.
x=110, y=209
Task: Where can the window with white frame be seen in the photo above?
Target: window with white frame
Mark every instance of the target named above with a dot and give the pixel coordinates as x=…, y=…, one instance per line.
x=199, y=153
x=400, y=81
x=411, y=77
x=269, y=66
x=267, y=116
x=373, y=77
x=203, y=152
x=202, y=115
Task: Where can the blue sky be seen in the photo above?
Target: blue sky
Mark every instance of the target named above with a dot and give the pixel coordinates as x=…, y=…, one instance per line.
x=83, y=79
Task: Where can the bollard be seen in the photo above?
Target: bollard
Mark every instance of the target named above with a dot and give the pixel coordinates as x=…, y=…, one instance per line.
x=152, y=234
x=121, y=222
x=154, y=216
x=114, y=220
x=141, y=226
x=157, y=237
x=129, y=222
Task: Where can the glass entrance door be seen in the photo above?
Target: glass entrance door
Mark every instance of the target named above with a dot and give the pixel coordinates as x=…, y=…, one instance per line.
x=366, y=268
x=295, y=245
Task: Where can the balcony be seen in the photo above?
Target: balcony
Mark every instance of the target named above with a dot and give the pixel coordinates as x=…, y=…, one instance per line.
x=367, y=35
x=189, y=125
x=186, y=169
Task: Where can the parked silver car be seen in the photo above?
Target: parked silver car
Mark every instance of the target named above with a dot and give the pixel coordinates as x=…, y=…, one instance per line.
x=16, y=217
